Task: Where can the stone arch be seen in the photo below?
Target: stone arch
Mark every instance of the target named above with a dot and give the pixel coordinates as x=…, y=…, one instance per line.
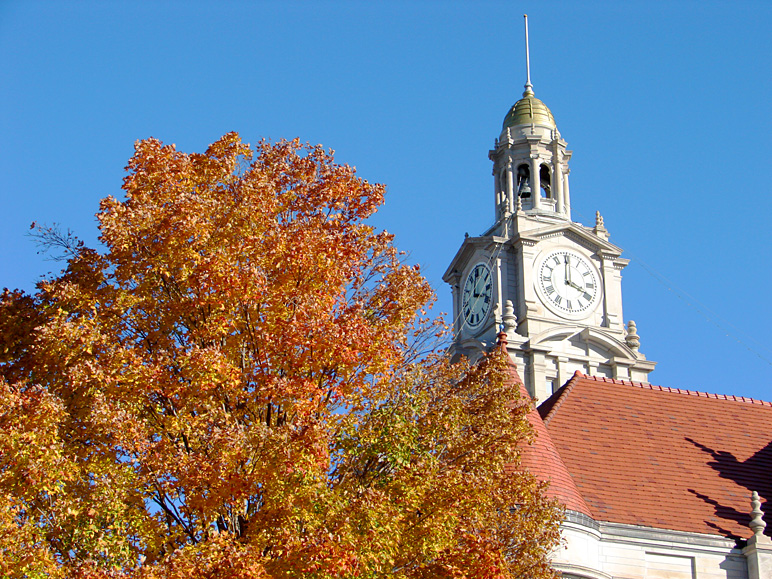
x=592, y=336
x=559, y=352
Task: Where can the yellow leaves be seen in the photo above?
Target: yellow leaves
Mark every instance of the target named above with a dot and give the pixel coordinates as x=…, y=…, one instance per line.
x=23, y=549
x=220, y=557
x=426, y=470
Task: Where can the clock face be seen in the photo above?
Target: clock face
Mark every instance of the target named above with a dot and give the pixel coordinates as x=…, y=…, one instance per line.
x=568, y=283
x=477, y=296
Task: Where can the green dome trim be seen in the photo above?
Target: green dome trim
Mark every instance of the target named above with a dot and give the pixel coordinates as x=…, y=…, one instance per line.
x=529, y=111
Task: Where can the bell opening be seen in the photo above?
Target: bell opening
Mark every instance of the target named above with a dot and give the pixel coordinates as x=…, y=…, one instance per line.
x=524, y=181
x=544, y=182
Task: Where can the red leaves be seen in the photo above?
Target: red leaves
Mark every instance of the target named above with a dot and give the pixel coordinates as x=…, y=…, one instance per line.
x=230, y=391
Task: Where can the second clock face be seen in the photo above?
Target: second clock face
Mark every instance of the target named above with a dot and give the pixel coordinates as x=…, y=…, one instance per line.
x=568, y=283
x=477, y=296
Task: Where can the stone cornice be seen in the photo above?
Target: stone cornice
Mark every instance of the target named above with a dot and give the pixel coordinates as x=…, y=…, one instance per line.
x=666, y=538
x=467, y=249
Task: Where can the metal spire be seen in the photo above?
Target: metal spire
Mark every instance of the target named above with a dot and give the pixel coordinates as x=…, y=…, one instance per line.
x=528, y=85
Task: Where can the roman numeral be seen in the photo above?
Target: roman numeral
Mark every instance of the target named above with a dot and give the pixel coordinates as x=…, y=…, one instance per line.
x=549, y=289
x=558, y=299
x=568, y=304
x=588, y=297
x=590, y=285
x=557, y=261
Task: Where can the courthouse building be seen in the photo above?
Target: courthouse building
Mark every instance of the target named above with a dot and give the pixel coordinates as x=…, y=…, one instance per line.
x=657, y=481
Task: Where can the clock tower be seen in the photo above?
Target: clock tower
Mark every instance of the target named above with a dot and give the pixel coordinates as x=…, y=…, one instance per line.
x=553, y=285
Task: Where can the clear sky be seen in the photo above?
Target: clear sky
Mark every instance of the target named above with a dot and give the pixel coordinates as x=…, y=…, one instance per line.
x=666, y=106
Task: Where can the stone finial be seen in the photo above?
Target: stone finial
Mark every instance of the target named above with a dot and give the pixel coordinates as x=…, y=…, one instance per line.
x=600, y=229
x=757, y=521
x=632, y=339
x=504, y=208
x=519, y=205
x=509, y=318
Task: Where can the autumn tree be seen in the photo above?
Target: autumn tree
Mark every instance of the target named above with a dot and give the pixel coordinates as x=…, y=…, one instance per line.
x=236, y=385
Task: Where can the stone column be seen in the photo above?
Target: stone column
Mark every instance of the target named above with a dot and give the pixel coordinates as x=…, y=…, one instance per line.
x=557, y=179
x=527, y=299
x=497, y=195
x=563, y=374
x=535, y=183
x=612, y=293
x=454, y=290
x=510, y=188
x=498, y=299
x=566, y=194
x=759, y=556
x=538, y=386
x=620, y=368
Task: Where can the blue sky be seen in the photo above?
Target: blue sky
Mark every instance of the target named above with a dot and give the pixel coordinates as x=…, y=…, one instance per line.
x=666, y=106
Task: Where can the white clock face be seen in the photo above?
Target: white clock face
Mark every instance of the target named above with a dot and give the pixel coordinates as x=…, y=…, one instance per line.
x=477, y=295
x=568, y=283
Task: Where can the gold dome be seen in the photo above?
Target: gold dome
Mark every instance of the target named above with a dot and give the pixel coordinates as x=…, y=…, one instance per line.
x=529, y=111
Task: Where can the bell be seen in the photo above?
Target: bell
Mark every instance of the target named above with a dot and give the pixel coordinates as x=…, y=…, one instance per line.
x=524, y=191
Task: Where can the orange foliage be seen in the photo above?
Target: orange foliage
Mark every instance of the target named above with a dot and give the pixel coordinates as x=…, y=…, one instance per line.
x=231, y=389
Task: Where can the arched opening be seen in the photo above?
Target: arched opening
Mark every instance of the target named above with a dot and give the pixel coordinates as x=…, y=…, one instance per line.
x=524, y=181
x=545, y=183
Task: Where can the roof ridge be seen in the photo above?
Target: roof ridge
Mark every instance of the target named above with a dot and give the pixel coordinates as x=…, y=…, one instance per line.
x=541, y=457
x=561, y=394
x=543, y=460
x=646, y=385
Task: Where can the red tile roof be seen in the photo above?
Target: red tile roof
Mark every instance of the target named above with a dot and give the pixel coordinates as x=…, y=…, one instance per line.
x=663, y=457
x=542, y=459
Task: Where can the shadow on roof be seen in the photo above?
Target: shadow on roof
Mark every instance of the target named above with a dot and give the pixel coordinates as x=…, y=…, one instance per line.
x=753, y=474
